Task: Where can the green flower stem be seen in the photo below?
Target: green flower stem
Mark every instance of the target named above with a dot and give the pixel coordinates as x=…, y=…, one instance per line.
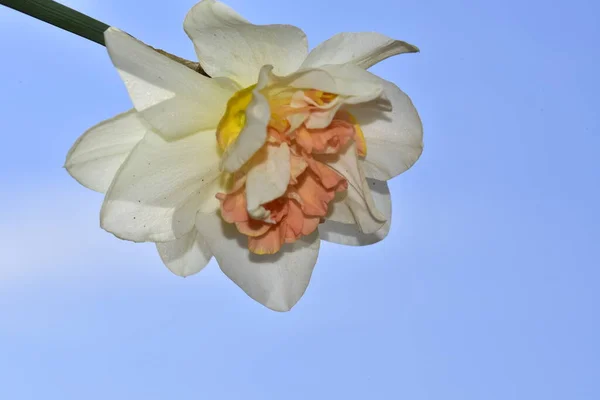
x=62, y=17
x=75, y=22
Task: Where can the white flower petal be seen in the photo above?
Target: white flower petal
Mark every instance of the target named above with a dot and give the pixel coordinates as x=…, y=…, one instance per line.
x=394, y=138
x=358, y=196
x=269, y=179
x=363, y=49
x=97, y=155
x=228, y=45
x=176, y=100
x=340, y=226
x=354, y=83
x=277, y=281
x=160, y=187
x=187, y=255
x=305, y=79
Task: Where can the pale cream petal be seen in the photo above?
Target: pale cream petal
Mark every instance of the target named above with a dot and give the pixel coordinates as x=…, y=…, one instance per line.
x=160, y=187
x=358, y=196
x=97, y=155
x=305, y=79
x=230, y=46
x=340, y=226
x=363, y=49
x=354, y=83
x=185, y=256
x=339, y=211
x=276, y=281
x=268, y=180
x=394, y=138
x=174, y=99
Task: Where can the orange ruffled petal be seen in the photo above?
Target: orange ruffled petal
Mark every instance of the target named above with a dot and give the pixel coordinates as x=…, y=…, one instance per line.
x=312, y=186
x=269, y=243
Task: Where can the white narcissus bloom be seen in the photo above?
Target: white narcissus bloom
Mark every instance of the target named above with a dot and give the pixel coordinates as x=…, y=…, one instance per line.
x=279, y=149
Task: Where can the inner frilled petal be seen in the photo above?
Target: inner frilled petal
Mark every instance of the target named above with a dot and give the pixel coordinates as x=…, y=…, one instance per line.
x=359, y=197
x=296, y=213
x=252, y=228
x=314, y=198
x=327, y=176
x=328, y=140
x=268, y=178
x=298, y=165
x=285, y=179
x=313, y=98
x=269, y=243
x=233, y=206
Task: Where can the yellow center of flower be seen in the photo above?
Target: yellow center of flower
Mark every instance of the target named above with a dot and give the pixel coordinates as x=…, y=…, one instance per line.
x=234, y=119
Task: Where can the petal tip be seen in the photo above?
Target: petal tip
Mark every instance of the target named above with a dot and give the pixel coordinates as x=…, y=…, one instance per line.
x=411, y=47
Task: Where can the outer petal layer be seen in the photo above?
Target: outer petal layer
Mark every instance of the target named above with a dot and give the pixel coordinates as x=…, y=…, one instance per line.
x=185, y=256
x=344, y=231
x=97, y=155
x=277, y=281
x=363, y=49
x=230, y=46
x=160, y=187
x=394, y=137
x=174, y=99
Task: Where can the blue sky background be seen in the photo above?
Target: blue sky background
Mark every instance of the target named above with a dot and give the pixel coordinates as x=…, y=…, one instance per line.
x=486, y=288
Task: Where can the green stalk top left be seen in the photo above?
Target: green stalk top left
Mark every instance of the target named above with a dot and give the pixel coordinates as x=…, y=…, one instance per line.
x=62, y=17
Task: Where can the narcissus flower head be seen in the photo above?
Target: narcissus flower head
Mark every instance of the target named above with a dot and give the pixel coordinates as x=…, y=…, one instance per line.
x=278, y=149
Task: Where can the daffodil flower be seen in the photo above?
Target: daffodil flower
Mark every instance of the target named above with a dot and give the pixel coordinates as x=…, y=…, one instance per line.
x=279, y=149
